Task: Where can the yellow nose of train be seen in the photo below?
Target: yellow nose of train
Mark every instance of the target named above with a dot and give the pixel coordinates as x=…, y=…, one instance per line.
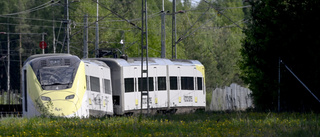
x=60, y=103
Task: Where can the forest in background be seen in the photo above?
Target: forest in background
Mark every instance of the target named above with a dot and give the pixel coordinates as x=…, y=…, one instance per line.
x=280, y=55
x=211, y=32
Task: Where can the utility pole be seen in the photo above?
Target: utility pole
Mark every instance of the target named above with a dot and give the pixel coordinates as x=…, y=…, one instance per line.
x=8, y=71
x=279, y=68
x=66, y=8
x=144, y=45
x=20, y=62
x=53, y=32
x=97, y=31
x=42, y=43
x=174, y=33
x=85, y=37
x=163, y=32
x=8, y=61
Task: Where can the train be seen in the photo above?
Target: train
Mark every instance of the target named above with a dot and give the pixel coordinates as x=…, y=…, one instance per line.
x=64, y=85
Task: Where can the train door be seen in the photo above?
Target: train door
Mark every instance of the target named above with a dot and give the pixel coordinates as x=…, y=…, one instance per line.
x=161, y=93
x=174, y=88
x=200, y=93
x=155, y=93
x=104, y=89
x=94, y=89
x=136, y=92
x=195, y=95
x=187, y=85
x=90, y=97
x=179, y=85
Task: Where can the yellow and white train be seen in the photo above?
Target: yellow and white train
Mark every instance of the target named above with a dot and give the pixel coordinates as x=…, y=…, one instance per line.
x=64, y=85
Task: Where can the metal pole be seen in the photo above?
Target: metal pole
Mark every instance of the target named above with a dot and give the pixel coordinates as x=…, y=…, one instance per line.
x=42, y=43
x=142, y=49
x=20, y=61
x=163, y=33
x=144, y=45
x=174, y=34
x=8, y=71
x=68, y=25
x=279, y=68
x=85, y=37
x=97, y=31
x=146, y=22
x=53, y=34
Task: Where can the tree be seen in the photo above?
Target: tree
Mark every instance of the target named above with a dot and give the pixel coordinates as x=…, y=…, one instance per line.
x=285, y=29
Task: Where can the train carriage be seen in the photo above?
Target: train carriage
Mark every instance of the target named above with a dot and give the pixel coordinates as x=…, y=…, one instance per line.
x=174, y=85
x=64, y=85
x=55, y=85
x=99, y=89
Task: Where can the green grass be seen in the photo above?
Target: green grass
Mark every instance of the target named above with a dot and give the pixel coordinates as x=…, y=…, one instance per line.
x=195, y=124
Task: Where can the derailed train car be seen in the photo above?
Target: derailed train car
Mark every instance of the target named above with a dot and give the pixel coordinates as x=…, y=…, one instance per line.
x=64, y=85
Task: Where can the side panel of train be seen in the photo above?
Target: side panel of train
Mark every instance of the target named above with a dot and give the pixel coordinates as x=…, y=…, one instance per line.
x=99, y=89
x=171, y=86
x=186, y=86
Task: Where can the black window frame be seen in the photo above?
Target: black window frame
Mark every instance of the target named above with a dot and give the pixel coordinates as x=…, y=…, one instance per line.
x=173, y=83
x=199, y=83
x=187, y=83
x=162, y=83
x=151, y=85
x=129, y=87
x=94, y=87
x=107, y=86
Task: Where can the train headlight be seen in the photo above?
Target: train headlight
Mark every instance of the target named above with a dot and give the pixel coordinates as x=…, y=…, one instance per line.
x=44, y=98
x=70, y=97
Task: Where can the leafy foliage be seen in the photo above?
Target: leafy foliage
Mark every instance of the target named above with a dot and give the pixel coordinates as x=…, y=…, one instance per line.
x=206, y=35
x=285, y=29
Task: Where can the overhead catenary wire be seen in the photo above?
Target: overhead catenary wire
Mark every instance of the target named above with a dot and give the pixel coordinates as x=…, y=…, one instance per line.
x=36, y=19
x=115, y=13
x=183, y=36
x=219, y=12
x=40, y=26
x=300, y=81
x=49, y=3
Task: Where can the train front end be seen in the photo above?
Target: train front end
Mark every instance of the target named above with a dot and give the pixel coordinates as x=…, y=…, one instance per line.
x=54, y=85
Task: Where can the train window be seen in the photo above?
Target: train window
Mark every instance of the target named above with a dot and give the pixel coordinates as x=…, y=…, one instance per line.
x=128, y=85
x=144, y=80
x=162, y=83
x=95, y=84
x=199, y=83
x=173, y=83
x=87, y=80
x=187, y=83
x=107, y=88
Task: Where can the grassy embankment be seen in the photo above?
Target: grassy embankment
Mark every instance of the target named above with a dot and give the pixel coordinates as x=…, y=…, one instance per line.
x=196, y=124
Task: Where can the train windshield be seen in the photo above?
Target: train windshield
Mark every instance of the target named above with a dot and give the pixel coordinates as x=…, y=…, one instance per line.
x=55, y=72
x=54, y=78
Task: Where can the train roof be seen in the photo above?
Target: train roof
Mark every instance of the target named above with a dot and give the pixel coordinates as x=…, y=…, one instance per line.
x=151, y=61
x=95, y=62
x=44, y=55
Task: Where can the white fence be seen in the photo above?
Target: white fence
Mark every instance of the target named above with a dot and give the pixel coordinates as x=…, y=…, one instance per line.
x=234, y=97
